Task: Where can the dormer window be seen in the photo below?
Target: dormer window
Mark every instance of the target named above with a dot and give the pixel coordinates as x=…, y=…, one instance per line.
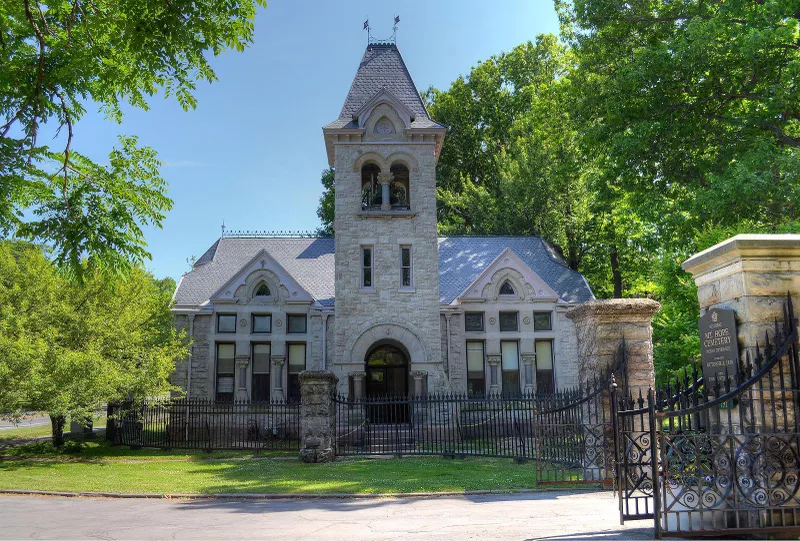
x=262, y=290
x=507, y=289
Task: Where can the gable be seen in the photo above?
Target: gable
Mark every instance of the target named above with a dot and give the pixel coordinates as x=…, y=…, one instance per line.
x=262, y=267
x=384, y=96
x=507, y=268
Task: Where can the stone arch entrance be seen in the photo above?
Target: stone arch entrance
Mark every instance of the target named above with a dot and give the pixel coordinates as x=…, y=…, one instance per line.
x=387, y=366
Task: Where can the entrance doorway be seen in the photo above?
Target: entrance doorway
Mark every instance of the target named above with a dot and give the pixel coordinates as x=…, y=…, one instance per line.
x=387, y=384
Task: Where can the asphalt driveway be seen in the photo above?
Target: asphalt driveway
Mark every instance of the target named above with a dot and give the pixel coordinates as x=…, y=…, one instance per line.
x=541, y=515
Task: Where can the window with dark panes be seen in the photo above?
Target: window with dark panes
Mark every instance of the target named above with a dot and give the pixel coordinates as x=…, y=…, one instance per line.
x=366, y=266
x=297, y=363
x=542, y=321
x=473, y=321
x=261, y=362
x=508, y=321
x=226, y=361
x=226, y=323
x=262, y=290
x=509, y=352
x=296, y=323
x=507, y=288
x=545, y=382
x=476, y=375
x=405, y=265
x=262, y=323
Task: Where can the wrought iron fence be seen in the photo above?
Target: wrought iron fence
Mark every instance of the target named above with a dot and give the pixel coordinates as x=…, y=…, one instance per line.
x=567, y=433
x=721, y=459
x=203, y=424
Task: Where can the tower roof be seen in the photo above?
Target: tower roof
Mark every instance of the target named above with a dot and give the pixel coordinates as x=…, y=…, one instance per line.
x=382, y=67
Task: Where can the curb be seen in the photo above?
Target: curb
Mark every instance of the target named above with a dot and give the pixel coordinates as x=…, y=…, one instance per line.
x=247, y=496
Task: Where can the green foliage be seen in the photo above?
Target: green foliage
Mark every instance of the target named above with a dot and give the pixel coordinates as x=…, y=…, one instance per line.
x=652, y=131
x=67, y=348
x=327, y=203
x=55, y=55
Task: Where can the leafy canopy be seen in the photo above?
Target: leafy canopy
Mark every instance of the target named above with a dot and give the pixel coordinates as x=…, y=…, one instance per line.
x=67, y=348
x=57, y=56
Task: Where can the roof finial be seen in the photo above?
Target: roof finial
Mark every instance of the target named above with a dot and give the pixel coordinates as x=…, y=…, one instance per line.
x=375, y=41
x=223, y=227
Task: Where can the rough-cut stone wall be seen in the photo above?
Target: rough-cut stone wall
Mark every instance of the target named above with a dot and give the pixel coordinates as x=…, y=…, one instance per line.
x=566, y=350
x=178, y=376
x=457, y=364
x=414, y=311
x=202, y=358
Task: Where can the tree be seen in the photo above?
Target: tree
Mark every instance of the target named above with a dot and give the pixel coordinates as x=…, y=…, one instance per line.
x=327, y=203
x=67, y=348
x=57, y=55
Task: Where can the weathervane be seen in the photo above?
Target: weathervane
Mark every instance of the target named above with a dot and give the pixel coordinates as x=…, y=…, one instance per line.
x=375, y=41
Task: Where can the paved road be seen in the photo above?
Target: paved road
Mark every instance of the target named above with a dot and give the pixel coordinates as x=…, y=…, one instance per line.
x=544, y=515
x=35, y=420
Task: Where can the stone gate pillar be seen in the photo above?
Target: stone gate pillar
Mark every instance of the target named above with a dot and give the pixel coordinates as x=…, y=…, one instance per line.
x=752, y=275
x=317, y=415
x=601, y=326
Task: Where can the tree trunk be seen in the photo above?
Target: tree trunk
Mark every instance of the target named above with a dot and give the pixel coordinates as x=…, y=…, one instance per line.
x=58, y=422
x=616, y=273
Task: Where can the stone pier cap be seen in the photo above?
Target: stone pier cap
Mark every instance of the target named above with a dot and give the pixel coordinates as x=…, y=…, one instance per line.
x=614, y=309
x=311, y=376
x=752, y=247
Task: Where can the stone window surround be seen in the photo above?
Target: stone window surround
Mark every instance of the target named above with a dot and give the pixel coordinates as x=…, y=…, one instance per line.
x=483, y=321
x=506, y=312
x=526, y=336
x=290, y=315
x=220, y=315
x=216, y=366
x=253, y=322
x=410, y=248
x=371, y=247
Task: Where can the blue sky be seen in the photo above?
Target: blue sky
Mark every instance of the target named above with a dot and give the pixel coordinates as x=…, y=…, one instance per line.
x=251, y=153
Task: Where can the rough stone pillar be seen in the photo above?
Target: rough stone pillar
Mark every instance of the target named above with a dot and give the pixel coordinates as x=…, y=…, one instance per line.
x=419, y=376
x=358, y=384
x=601, y=325
x=278, y=362
x=317, y=415
x=494, y=363
x=528, y=361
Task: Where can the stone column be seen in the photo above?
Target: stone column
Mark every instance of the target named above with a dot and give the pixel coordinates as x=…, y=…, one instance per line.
x=242, y=361
x=494, y=363
x=358, y=384
x=317, y=416
x=601, y=325
x=385, y=180
x=419, y=376
x=528, y=361
x=277, y=363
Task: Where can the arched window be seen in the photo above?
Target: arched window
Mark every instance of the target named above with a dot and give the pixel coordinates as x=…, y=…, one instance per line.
x=262, y=290
x=507, y=289
x=400, y=194
x=370, y=189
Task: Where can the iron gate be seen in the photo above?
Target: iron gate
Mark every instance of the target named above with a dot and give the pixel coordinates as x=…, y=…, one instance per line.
x=717, y=459
x=567, y=434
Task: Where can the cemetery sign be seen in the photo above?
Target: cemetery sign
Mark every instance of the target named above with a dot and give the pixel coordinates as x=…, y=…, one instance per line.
x=719, y=346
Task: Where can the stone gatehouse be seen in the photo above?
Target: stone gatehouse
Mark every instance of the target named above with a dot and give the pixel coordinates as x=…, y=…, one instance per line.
x=387, y=305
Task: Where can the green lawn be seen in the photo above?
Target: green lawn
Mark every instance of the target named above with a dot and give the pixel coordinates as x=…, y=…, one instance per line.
x=101, y=468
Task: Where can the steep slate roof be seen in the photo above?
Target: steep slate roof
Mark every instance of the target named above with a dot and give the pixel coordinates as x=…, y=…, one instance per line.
x=383, y=66
x=311, y=263
x=462, y=259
